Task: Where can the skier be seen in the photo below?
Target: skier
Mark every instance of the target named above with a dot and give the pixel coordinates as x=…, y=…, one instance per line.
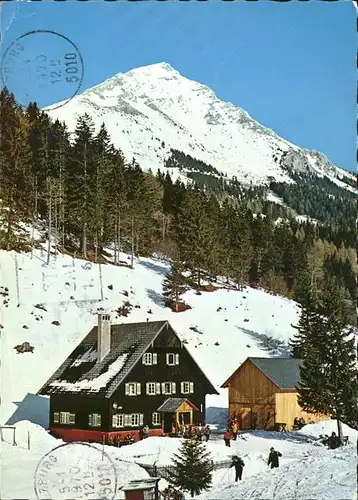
x=238, y=463
x=227, y=437
x=273, y=458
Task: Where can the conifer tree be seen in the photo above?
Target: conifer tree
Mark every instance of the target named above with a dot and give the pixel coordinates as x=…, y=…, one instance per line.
x=328, y=381
x=174, y=284
x=192, y=468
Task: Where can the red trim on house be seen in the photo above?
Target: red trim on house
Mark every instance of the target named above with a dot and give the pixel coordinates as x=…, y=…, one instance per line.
x=97, y=436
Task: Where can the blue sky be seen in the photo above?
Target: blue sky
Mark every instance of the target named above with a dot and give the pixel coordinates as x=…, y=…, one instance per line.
x=290, y=65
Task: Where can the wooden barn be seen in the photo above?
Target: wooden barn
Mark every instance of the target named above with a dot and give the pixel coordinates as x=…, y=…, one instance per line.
x=263, y=395
x=121, y=378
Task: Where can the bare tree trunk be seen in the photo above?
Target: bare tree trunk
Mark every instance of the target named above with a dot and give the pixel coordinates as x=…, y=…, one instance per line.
x=49, y=223
x=115, y=244
x=33, y=222
x=132, y=238
x=84, y=240
x=119, y=236
x=56, y=223
x=163, y=227
x=95, y=247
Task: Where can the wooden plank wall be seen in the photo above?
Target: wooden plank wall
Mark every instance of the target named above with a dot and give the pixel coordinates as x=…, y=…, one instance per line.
x=287, y=408
x=252, y=398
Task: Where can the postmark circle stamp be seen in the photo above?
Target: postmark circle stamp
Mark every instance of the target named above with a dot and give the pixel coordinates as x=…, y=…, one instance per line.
x=75, y=470
x=40, y=66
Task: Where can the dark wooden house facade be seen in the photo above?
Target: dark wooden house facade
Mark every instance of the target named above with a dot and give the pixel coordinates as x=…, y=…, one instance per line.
x=121, y=378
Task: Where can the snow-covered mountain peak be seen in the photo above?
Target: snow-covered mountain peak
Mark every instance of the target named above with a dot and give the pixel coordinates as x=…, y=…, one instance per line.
x=152, y=109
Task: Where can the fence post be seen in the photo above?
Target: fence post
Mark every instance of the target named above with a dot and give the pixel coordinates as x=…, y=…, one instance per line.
x=14, y=438
x=28, y=440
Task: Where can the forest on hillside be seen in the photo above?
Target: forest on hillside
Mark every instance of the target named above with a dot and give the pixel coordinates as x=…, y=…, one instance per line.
x=91, y=197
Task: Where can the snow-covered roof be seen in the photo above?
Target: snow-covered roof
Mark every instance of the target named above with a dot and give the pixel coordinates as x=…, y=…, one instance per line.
x=81, y=373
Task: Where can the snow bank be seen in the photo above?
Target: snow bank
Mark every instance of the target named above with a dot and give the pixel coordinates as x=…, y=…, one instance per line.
x=327, y=427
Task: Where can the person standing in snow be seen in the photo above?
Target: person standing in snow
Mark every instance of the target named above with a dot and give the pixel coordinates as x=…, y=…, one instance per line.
x=239, y=465
x=273, y=458
x=145, y=431
x=333, y=441
x=227, y=437
x=207, y=432
x=234, y=429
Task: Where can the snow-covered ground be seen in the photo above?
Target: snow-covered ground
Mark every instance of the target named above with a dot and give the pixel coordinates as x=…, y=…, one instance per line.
x=53, y=307
x=307, y=469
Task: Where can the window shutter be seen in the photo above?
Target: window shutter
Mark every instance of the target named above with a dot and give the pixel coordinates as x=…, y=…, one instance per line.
x=147, y=388
x=191, y=387
x=141, y=419
x=98, y=420
x=56, y=418
x=182, y=387
x=90, y=419
x=127, y=389
x=114, y=421
x=167, y=358
x=177, y=359
x=163, y=387
x=157, y=387
x=155, y=358
x=143, y=360
x=127, y=420
x=71, y=419
x=173, y=387
x=138, y=388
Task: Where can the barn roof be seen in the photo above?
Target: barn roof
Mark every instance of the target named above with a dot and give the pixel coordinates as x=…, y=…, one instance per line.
x=81, y=374
x=283, y=372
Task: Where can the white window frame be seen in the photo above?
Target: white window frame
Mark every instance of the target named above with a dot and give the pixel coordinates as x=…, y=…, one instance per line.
x=56, y=417
x=67, y=418
x=132, y=389
x=151, y=388
x=187, y=387
x=171, y=386
x=170, y=357
x=118, y=420
x=94, y=419
x=156, y=418
x=147, y=358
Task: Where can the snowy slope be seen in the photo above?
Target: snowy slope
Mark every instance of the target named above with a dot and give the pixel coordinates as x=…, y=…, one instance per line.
x=69, y=290
x=155, y=103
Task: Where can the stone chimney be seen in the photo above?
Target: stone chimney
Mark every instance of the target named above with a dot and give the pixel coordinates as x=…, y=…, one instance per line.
x=103, y=335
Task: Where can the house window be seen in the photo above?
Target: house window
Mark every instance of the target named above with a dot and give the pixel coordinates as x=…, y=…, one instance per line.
x=187, y=387
x=56, y=417
x=136, y=419
x=118, y=420
x=94, y=420
x=152, y=388
x=132, y=389
x=67, y=418
x=149, y=358
x=156, y=420
x=172, y=359
x=168, y=388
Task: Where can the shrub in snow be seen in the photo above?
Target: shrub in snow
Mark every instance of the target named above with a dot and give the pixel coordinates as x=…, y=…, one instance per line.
x=192, y=469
